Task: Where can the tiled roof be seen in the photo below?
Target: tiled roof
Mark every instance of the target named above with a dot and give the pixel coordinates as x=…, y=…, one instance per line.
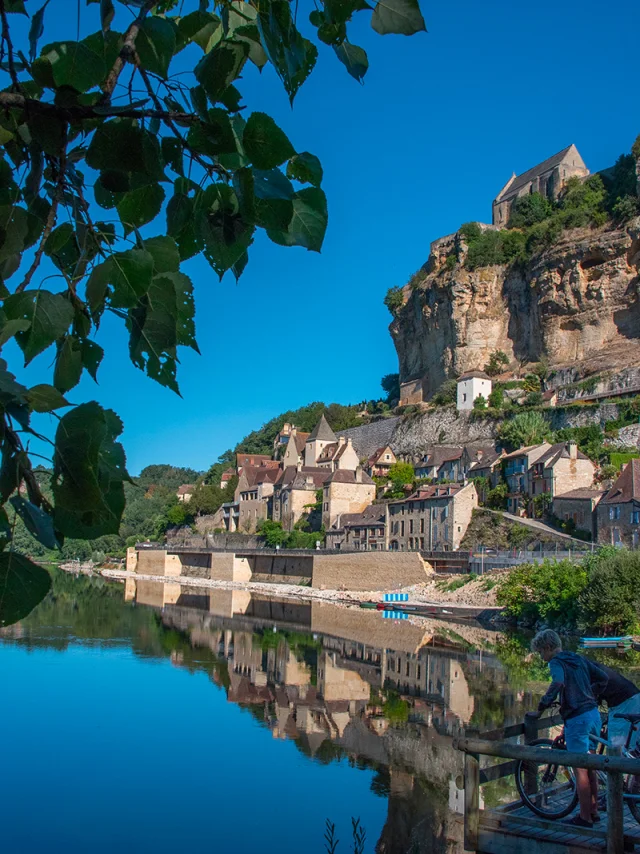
x=255, y=475
x=322, y=431
x=319, y=478
x=377, y=454
x=185, y=489
x=374, y=514
x=470, y=374
x=301, y=441
x=583, y=492
x=528, y=176
x=437, y=456
x=555, y=452
x=627, y=486
x=434, y=490
x=521, y=452
x=289, y=475
x=252, y=459
x=344, y=476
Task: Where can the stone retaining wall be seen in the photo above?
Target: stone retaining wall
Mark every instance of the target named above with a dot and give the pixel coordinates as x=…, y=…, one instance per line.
x=369, y=571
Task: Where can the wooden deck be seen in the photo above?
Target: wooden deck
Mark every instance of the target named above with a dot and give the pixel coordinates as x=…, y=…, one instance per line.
x=514, y=828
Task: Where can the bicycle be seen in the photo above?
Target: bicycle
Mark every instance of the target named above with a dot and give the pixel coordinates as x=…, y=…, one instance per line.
x=548, y=788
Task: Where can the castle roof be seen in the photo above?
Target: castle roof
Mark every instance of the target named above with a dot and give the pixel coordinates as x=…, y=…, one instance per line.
x=323, y=432
x=627, y=486
x=520, y=181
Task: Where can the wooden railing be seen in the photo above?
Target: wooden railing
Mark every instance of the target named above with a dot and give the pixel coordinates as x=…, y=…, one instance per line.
x=474, y=745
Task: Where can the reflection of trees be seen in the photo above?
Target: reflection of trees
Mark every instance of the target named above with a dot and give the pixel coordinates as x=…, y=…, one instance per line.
x=418, y=819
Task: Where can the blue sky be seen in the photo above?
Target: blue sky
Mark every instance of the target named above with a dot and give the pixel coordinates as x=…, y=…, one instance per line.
x=441, y=122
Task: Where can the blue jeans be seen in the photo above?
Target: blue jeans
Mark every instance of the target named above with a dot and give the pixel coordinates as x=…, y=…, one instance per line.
x=577, y=731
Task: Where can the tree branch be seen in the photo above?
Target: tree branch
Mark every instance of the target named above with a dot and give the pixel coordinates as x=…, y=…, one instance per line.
x=126, y=52
x=10, y=100
x=6, y=37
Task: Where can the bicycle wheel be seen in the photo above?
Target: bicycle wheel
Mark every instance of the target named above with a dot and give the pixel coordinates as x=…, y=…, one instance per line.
x=547, y=788
x=633, y=788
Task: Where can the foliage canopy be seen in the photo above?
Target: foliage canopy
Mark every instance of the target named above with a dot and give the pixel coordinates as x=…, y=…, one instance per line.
x=125, y=153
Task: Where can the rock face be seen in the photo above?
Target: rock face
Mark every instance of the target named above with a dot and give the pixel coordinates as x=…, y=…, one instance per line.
x=575, y=305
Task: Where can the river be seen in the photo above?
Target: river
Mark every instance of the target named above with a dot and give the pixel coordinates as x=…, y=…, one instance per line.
x=154, y=718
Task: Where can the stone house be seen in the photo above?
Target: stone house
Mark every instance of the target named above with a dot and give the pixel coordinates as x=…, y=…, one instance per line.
x=618, y=513
x=486, y=463
x=560, y=469
x=346, y=491
x=243, y=460
x=294, y=491
x=321, y=436
x=579, y=506
x=185, y=492
x=434, y=518
x=339, y=455
x=253, y=496
x=441, y=463
x=363, y=531
x=470, y=386
x=227, y=475
x=294, y=449
x=516, y=472
x=380, y=462
x=547, y=178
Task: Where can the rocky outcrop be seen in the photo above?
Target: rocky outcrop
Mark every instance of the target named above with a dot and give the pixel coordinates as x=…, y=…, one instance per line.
x=575, y=305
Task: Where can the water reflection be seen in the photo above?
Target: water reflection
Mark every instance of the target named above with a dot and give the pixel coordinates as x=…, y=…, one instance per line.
x=340, y=683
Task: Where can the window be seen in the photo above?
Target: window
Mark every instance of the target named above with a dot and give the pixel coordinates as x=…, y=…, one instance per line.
x=407, y=669
x=422, y=525
x=402, y=529
x=464, y=397
x=422, y=543
x=418, y=671
x=326, y=505
x=614, y=512
x=635, y=517
x=411, y=526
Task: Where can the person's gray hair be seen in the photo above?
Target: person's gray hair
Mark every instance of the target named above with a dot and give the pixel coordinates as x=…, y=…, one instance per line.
x=546, y=640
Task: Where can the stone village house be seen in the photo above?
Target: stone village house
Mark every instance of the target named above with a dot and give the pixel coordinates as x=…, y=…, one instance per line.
x=363, y=531
x=346, y=492
x=470, y=386
x=578, y=505
x=434, y=518
x=380, y=462
x=185, y=492
x=295, y=492
x=618, y=512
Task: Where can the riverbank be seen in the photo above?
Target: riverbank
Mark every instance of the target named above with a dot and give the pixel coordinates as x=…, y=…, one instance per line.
x=471, y=593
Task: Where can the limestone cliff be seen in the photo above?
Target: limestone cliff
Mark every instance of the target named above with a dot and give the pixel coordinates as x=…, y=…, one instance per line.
x=576, y=304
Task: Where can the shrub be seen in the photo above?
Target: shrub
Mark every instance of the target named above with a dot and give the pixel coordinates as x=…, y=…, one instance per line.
x=446, y=394
x=394, y=300
x=401, y=473
x=452, y=260
x=480, y=402
x=497, y=497
x=496, y=398
x=525, y=428
x=497, y=361
x=583, y=202
x=534, y=398
x=272, y=533
x=518, y=535
x=545, y=591
x=531, y=382
x=610, y=601
x=530, y=209
x=625, y=209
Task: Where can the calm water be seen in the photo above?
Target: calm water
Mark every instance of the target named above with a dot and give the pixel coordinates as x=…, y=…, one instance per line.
x=164, y=719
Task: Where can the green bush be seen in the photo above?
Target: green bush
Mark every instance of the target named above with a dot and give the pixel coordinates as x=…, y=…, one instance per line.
x=394, y=300
x=525, y=428
x=528, y=210
x=496, y=398
x=497, y=497
x=625, y=209
x=480, y=402
x=610, y=602
x=272, y=533
x=446, y=394
x=545, y=591
x=498, y=360
x=452, y=260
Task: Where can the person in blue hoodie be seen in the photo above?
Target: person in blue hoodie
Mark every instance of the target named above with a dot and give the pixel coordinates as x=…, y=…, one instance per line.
x=578, y=682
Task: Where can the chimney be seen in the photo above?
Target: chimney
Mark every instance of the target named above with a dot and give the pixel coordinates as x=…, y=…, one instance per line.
x=341, y=441
x=358, y=474
x=294, y=431
x=573, y=451
x=350, y=442
x=309, y=480
x=299, y=465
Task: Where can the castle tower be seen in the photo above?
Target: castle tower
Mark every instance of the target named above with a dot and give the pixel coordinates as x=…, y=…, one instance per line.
x=321, y=436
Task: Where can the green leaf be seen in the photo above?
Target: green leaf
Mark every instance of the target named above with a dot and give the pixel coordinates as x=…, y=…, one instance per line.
x=265, y=144
x=36, y=30
x=130, y=274
x=8, y=328
x=89, y=471
x=219, y=224
x=397, y=16
x=217, y=69
x=250, y=34
x=49, y=132
x=154, y=337
x=271, y=184
x=120, y=145
x=179, y=212
x=14, y=227
x=138, y=207
x=23, y=584
x=155, y=45
x=49, y=315
x=309, y=222
x=68, y=369
x=37, y=522
x=292, y=55
x=172, y=153
x=215, y=136
x=62, y=247
x=306, y=168
x=203, y=28
x=166, y=258
x=45, y=398
x=107, y=13
x=272, y=204
x=354, y=59
x=74, y=64
x=92, y=354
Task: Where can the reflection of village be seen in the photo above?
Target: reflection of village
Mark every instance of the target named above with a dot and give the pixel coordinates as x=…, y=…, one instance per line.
x=344, y=682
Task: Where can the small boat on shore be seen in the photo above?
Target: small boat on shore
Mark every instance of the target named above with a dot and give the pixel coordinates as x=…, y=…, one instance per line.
x=623, y=642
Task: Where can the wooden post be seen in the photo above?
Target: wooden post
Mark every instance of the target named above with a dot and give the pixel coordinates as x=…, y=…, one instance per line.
x=530, y=768
x=471, y=801
x=615, y=808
